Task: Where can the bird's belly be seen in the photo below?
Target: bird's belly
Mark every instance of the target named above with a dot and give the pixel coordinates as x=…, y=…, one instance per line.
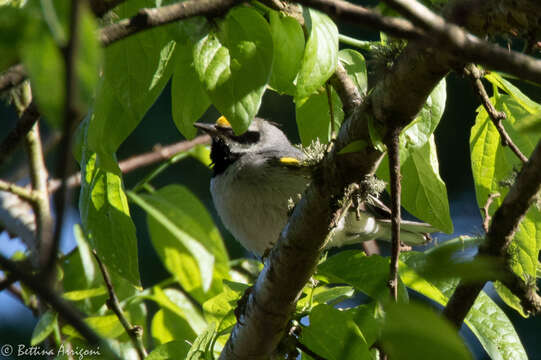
x=254, y=218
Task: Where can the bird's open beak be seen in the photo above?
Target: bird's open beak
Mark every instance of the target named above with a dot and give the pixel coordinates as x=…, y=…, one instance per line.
x=208, y=128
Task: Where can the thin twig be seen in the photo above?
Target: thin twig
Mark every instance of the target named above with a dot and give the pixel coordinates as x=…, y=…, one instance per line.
x=12, y=77
x=22, y=192
x=495, y=115
x=65, y=310
x=331, y=110
x=393, y=148
x=41, y=205
x=158, y=154
x=486, y=210
x=134, y=332
x=71, y=116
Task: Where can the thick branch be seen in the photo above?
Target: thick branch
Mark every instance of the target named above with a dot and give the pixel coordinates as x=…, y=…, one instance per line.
x=466, y=46
x=149, y=18
x=501, y=232
x=292, y=261
x=364, y=17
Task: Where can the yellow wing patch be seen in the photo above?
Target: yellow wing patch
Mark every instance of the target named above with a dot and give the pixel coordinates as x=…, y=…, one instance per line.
x=289, y=161
x=223, y=122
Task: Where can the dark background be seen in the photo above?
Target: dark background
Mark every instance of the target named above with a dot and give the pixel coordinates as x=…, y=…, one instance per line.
x=452, y=138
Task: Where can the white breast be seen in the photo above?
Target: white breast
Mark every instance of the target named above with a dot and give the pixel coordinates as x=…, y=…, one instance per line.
x=253, y=203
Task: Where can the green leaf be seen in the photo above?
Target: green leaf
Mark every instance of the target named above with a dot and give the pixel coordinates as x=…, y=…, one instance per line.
x=494, y=330
x=107, y=326
x=185, y=238
x=320, y=55
x=105, y=215
x=314, y=117
x=188, y=98
x=288, y=39
x=494, y=169
x=43, y=62
x=87, y=259
x=78, y=295
x=449, y=260
x=486, y=320
x=168, y=326
x=323, y=295
x=355, y=66
x=89, y=58
x=170, y=351
x=412, y=331
x=334, y=334
x=220, y=308
x=12, y=21
x=234, y=65
x=525, y=102
x=202, y=347
x=530, y=124
x=371, y=273
x=419, y=131
x=134, y=73
x=177, y=302
x=355, y=146
x=424, y=193
x=46, y=324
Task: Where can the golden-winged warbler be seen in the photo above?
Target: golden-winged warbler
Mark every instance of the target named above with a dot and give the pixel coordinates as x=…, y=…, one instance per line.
x=255, y=174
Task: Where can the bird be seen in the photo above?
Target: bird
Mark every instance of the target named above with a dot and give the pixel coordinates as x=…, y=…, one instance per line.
x=258, y=173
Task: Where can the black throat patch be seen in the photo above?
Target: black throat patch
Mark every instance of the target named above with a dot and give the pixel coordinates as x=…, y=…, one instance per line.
x=221, y=154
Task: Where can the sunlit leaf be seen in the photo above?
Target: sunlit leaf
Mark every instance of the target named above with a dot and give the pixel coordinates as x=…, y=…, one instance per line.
x=320, y=55
x=234, y=65
x=288, y=39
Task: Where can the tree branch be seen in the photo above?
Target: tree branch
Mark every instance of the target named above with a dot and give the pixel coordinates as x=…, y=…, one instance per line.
x=22, y=192
x=149, y=18
x=134, y=332
x=466, y=46
x=495, y=115
x=158, y=154
x=501, y=232
x=393, y=149
x=40, y=205
x=364, y=17
x=292, y=261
